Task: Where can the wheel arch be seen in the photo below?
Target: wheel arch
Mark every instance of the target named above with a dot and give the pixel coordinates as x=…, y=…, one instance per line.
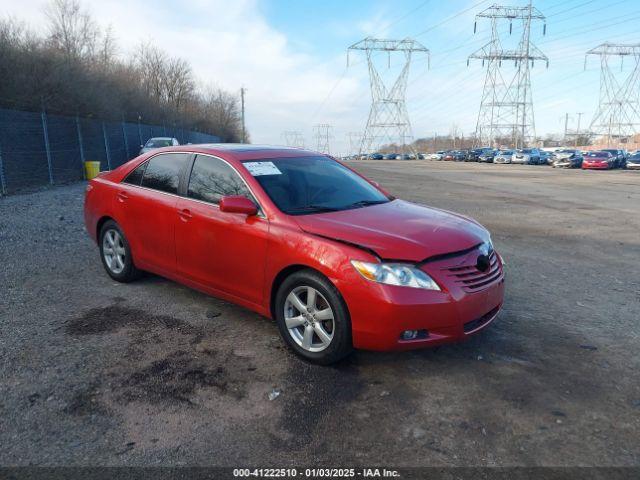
x=101, y=221
x=286, y=272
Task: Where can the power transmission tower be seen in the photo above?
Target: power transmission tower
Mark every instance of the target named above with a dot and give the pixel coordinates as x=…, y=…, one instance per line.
x=618, y=113
x=355, y=140
x=323, y=137
x=293, y=139
x=506, y=108
x=388, y=121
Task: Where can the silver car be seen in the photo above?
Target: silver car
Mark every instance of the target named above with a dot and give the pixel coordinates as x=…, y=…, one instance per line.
x=633, y=162
x=158, y=142
x=527, y=156
x=503, y=156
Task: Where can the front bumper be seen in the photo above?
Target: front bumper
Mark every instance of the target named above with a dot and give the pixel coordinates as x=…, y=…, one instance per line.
x=633, y=166
x=380, y=313
x=596, y=166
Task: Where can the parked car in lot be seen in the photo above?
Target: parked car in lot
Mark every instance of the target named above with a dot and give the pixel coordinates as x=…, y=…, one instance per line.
x=526, y=156
x=503, y=156
x=544, y=157
x=633, y=162
x=436, y=156
x=298, y=237
x=376, y=156
x=474, y=154
x=619, y=157
x=487, y=156
x=390, y=156
x=567, y=158
x=599, y=160
x=158, y=142
x=449, y=156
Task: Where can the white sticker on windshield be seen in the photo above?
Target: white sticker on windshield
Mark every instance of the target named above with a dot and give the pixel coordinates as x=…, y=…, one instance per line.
x=262, y=168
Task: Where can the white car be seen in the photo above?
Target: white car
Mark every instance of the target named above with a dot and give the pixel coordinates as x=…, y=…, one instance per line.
x=158, y=142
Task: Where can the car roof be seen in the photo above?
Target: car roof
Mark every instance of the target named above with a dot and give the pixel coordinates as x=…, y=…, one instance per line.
x=243, y=151
x=161, y=138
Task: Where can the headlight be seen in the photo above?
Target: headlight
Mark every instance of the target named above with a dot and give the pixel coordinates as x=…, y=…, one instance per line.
x=401, y=274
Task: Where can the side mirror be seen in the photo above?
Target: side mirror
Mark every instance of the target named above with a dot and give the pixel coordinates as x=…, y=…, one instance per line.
x=238, y=204
x=141, y=146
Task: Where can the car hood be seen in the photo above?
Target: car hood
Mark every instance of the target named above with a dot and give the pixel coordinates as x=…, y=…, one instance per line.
x=398, y=230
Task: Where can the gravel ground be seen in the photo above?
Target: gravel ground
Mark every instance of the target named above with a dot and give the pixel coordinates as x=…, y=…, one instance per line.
x=152, y=373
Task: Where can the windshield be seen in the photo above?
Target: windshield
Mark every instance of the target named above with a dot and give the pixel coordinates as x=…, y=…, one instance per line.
x=158, y=143
x=526, y=150
x=304, y=185
x=598, y=154
x=506, y=152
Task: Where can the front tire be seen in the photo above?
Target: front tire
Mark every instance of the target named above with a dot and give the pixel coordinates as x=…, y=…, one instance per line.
x=312, y=318
x=115, y=253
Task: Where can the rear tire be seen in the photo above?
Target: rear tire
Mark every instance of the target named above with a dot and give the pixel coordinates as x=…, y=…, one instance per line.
x=115, y=253
x=312, y=318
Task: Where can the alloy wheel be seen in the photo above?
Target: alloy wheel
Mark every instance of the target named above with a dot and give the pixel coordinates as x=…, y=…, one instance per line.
x=113, y=251
x=309, y=318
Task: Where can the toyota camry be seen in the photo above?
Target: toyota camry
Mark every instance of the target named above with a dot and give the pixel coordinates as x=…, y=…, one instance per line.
x=334, y=259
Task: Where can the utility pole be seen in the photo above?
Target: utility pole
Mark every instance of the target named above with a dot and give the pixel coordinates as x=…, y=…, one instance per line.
x=323, y=136
x=506, y=107
x=618, y=112
x=566, y=127
x=388, y=121
x=244, y=134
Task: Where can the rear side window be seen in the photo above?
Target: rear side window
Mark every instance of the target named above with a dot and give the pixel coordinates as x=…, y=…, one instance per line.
x=211, y=179
x=163, y=172
x=135, y=177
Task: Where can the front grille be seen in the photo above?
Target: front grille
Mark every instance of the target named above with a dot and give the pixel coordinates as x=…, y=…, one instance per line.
x=473, y=280
x=478, y=322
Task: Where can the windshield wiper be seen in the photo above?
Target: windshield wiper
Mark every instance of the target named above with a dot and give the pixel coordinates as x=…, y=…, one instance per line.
x=312, y=208
x=365, y=203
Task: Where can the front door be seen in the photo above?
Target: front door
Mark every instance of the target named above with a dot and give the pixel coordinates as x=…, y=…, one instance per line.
x=220, y=250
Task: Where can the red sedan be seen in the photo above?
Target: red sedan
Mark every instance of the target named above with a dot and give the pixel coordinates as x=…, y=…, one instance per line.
x=301, y=238
x=598, y=161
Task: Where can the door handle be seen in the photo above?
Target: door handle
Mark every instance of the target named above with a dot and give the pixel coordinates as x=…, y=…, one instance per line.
x=122, y=196
x=185, y=214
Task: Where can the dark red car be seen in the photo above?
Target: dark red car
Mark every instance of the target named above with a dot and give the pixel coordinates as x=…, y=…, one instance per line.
x=598, y=161
x=301, y=238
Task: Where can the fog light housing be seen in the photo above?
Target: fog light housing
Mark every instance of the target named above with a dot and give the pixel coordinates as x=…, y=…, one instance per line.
x=413, y=335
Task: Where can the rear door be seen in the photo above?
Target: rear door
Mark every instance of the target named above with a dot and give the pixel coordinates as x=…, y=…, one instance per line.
x=220, y=250
x=146, y=204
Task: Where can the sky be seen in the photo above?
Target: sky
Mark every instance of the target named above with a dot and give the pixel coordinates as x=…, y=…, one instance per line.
x=291, y=56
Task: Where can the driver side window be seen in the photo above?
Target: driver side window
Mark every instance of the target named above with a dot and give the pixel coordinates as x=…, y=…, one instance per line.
x=211, y=179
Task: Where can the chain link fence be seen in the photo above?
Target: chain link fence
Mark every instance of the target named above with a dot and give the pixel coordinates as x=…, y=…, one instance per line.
x=39, y=149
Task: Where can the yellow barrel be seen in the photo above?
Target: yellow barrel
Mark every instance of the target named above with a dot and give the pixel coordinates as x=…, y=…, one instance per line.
x=92, y=169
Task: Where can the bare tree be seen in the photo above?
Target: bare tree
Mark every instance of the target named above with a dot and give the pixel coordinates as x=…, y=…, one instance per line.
x=71, y=29
x=74, y=69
